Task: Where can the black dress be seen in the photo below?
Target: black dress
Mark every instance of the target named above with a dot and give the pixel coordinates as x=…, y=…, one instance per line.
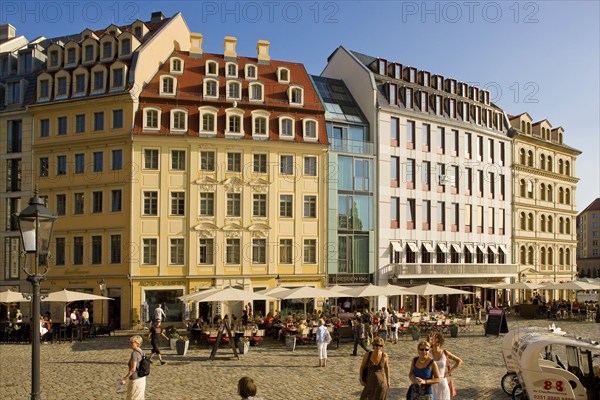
x=376, y=388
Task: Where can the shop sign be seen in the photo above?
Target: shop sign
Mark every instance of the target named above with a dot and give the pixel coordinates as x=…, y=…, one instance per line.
x=162, y=283
x=361, y=279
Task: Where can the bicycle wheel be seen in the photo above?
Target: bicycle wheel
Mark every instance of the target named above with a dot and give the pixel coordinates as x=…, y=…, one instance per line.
x=508, y=382
x=519, y=392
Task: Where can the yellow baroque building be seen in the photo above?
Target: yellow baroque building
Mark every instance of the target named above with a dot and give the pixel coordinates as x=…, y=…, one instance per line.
x=232, y=176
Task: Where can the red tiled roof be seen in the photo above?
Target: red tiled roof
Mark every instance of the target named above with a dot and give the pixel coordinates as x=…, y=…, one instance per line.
x=189, y=95
x=594, y=206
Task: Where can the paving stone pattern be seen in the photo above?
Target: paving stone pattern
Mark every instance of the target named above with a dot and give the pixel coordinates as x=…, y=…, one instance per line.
x=88, y=370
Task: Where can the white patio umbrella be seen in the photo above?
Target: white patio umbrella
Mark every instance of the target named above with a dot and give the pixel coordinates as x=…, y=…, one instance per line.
x=371, y=290
x=12, y=297
x=272, y=291
x=432, y=290
x=189, y=296
x=68, y=296
x=519, y=286
x=337, y=288
x=228, y=294
x=571, y=286
x=306, y=293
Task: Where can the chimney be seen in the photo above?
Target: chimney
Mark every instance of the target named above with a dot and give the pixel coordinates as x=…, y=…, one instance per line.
x=157, y=16
x=230, y=53
x=262, y=47
x=7, y=32
x=196, y=45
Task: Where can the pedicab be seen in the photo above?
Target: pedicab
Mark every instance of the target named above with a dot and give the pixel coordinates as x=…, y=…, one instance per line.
x=509, y=380
x=578, y=379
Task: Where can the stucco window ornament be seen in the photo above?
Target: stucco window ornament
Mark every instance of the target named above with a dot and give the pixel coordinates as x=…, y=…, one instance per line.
x=233, y=230
x=206, y=230
x=259, y=185
x=233, y=184
x=207, y=184
x=259, y=231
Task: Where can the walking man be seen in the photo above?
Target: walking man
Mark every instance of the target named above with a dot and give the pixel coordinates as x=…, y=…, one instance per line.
x=155, y=333
x=358, y=333
x=159, y=313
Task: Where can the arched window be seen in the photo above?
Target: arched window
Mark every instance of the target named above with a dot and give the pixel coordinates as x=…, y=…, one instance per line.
x=234, y=121
x=550, y=224
x=567, y=256
x=523, y=222
x=179, y=120
x=530, y=189
x=286, y=128
x=560, y=166
x=231, y=70
x=260, y=123
x=561, y=225
x=212, y=68
x=542, y=191
x=208, y=120
x=550, y=256
x=250, y=71
x=523, y=128
x=568, y=226
x=176, y=65
x=543, y=223
x=522, y=159
x=523, y=255
x=296, y=95
x=543, y=256
x=255, y=91
x=542, y=161
x=211, y=88
x=530, y=255
x=567, y=196
x=151, y=119
x=567, y=168
x=561, y=257
x=234, y=90
x=309, y=129
x=522, y=188
x=550, y=192
x=530, y=222
x=529, y=128
x=561, y=195
x=550, y=164
x=530, y=158
x=168, y=85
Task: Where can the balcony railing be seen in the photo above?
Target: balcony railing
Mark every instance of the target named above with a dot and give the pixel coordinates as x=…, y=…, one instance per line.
x=446, y=270
x=351, y=146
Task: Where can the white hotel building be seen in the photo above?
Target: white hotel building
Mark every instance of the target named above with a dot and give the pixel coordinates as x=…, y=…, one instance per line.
x=443, y=193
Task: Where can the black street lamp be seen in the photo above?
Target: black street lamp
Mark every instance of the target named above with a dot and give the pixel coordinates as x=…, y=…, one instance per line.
x=36, y=224
x=102, y=285
x=278, y=280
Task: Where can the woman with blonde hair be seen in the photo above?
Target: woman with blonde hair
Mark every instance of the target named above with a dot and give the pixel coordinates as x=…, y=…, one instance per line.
x=378, y=373
x=423, y=373
x=247, y=389
x=322, y=337
x=137, y=385
x=442, y=358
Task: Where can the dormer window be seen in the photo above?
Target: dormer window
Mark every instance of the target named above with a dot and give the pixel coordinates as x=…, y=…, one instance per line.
x=212, y=68
x=408, y=97
x=176, y=65
x=71, y=55
x=167, y=85
x=286, y=128
x=438, y=105
x=98, y=81
x=251, y=71
x=13, y=93
x=125, y=47
x=393, y=94
x=296, y=95
x=53, y=58
x=423, y=101
x=234, y=90
x=137, y=31
x=412, y=75
x=61, y=86
x=179, y=120
x=79, y=83
x=381, y=67
x=107, y=50
x=234, y=122
x=397, y=71
x=88, y=53
x=231, y=70
x=211, y=88
x=283, y=75
x=151, y=119
x=260, y=123
x=452, y=86
x=25, y=62
x=425, y=78
x=117, y=78
x=256, y=91
x=310, y=129
x=208, y=120
x=439, y=82
x=44, y=91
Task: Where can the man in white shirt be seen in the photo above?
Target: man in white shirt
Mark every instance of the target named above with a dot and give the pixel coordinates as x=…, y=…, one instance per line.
x=159, y=313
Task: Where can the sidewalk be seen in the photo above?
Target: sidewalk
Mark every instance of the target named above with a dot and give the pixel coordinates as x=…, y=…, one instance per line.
x=87, y=370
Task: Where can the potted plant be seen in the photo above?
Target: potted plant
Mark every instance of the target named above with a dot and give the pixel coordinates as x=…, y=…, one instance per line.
x=172, y=334
x=454, y=330
x=290, y=342
x=244, y=345
x=415, y=331
x=181, y=345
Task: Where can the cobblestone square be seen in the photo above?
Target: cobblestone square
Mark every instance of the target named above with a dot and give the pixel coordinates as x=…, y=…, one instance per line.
x=88, y=370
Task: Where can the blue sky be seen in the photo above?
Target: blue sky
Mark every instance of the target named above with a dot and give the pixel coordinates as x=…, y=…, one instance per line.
x=536, y=56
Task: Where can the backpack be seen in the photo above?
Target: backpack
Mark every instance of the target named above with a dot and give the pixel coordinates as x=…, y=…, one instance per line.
x=143, y=368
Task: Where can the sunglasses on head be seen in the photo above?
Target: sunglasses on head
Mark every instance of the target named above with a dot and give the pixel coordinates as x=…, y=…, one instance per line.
x=423, y=349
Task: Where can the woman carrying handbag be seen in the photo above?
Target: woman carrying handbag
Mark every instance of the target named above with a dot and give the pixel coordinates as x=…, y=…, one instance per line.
x=423, y=373
x=442, y=357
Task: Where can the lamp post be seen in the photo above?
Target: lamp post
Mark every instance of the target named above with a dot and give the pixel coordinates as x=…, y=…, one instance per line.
x=36, y=224
x=278, y=280
x=102, y=285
